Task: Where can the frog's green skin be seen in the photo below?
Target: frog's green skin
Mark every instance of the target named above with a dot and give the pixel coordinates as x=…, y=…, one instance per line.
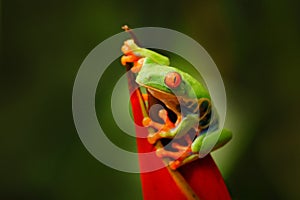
x=190, y=94
x=152, y=77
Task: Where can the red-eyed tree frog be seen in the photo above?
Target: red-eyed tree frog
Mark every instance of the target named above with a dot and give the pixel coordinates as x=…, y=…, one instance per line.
x=181, y=94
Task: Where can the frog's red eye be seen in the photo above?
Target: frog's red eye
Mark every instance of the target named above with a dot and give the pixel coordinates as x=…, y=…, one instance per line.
x=172, y=79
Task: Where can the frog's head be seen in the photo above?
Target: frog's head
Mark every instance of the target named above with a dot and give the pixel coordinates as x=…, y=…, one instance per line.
x=170, y=80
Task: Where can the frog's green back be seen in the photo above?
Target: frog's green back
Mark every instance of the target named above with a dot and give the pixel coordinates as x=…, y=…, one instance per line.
x=153, y=75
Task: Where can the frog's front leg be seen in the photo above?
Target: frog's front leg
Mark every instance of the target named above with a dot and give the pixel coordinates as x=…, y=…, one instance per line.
x=136, y=55
x=168, y=130
x=129, y=47
x=131, y=58
x=161, y=128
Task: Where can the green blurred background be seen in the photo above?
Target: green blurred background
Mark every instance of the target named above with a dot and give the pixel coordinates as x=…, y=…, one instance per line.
x=255, y=44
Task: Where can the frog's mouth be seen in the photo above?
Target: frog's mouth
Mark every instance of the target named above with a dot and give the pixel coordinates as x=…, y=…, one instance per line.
x=163, y=95
x=155, y=87
x=157, y=90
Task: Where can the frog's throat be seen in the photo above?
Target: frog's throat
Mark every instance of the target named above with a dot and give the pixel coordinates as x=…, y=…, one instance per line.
x=170, y=100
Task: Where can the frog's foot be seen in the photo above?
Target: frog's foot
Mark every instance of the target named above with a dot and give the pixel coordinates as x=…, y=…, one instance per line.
x=182, y=153
x=180, y=156
x=126, y=47
x=147, y=122
x=137, y=65
x=131, y=58
x=178, y=163
x=163, y=129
